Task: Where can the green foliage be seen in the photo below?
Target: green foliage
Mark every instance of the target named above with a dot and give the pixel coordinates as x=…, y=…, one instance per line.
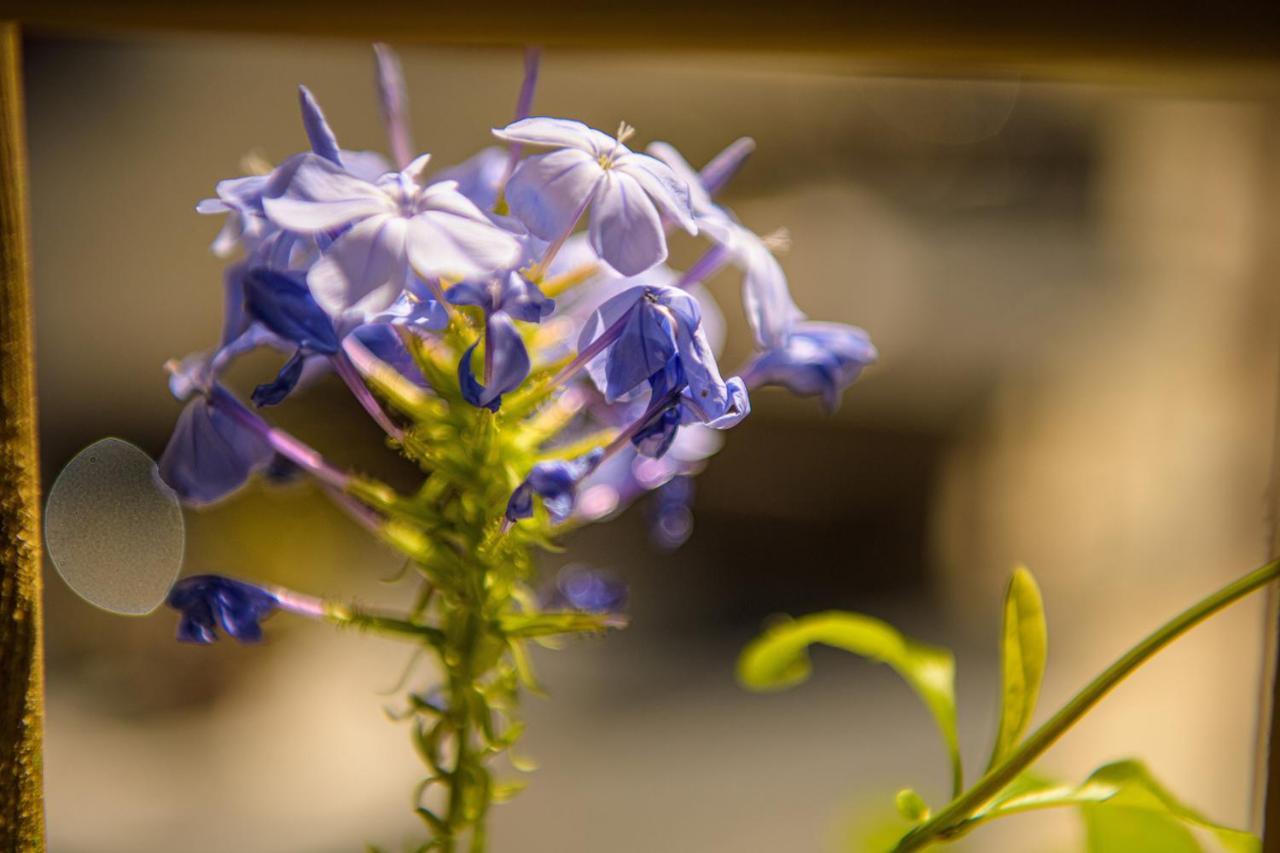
x=1125, y=810
x=1023, y=651
x=779, y=659
x=475, y=611
x=1143, y=816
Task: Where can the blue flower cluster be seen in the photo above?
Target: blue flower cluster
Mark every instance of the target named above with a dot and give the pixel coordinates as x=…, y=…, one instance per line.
x=350, y=262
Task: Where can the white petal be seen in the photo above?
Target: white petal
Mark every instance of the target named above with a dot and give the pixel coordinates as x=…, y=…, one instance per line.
x=626, y=230
x=364, y=271
x=668, y=191
x=558, y=133
x=442, y=242
x=699, y=201
x=547, y=191
x=765, y=294
x=310, y=194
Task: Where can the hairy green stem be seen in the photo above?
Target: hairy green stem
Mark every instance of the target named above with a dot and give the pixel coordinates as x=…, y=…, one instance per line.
x=460, y=678
x=950, y=820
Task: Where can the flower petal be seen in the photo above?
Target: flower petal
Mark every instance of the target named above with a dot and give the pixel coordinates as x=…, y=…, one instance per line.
x=451, y=237
x=508, y=360
x=309, y=194
x=478, y=177
x=547, y=192
x=273, y=393
x=558, y=133
x=668, y=191
x=765, y=295
x=626, y=230
x=210, y=454
x=364, y=270
x=282, y=303
x=319, y=134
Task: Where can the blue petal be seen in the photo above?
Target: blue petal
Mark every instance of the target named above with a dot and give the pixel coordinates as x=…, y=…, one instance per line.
x=283, y=303
x=817, y=359
x=274, y=392
x=655, y=438
x=556, y=482
x=206, y=601
x=645, y=346
x=382, y=340
x=523, y=300
x=477, y=293
x=210, y=454
x=319, y=134
x=508, y=360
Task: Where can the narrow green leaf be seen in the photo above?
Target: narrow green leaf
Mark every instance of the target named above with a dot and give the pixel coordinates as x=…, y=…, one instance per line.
x=1023, y=650
x=1111, y=826
x=521, y=625
x=778, y=659
x=1029, y=792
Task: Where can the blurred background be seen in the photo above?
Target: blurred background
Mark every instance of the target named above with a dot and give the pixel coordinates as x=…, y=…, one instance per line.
x=1073, y=292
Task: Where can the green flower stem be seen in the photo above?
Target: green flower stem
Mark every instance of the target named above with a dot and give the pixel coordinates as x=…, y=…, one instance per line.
x=459, y=662
x=950, y=821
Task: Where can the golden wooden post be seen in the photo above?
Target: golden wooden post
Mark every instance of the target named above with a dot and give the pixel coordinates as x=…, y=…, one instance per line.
x=21, y=655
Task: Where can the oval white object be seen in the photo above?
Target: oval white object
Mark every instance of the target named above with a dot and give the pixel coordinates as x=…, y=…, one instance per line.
x=114, y=530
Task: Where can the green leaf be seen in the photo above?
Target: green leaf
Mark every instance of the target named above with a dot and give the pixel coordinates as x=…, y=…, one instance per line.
x=521, y=625
x=778, y=659
x=1144, y=815
x=1030, y=791
x=1023, y=651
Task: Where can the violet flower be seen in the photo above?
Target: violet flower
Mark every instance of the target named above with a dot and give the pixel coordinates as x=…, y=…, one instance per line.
x=506, y=360
x=817, y=359
x=628, y=193
x=651, y=335
x=211, y=454
x=556, y=482
x=388, y=231
x=209, y=601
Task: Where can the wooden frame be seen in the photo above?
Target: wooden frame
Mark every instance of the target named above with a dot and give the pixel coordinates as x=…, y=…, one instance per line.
x=1067, y=41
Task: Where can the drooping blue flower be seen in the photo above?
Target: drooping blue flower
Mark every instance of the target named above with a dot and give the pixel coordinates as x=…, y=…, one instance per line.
x=628, y=193
x=209, y=601
x=506, y=358
x=556, y=482
x=211, y=454
x=388, y=231
x=766, y=296
x=817, y=358
x=506, y=364
x=283, y=304
x=653, y=336
x=580, y=588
